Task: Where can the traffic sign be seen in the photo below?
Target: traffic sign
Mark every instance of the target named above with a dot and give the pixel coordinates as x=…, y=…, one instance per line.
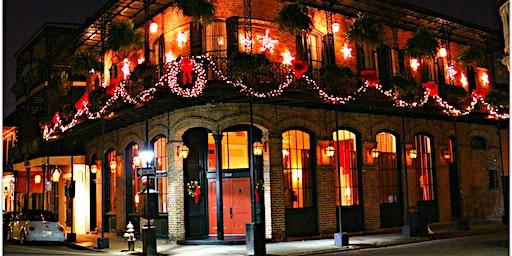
x=161, y=174
x=146, y=171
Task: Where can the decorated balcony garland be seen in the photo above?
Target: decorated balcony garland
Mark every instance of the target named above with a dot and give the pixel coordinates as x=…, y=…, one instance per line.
x=182, y=66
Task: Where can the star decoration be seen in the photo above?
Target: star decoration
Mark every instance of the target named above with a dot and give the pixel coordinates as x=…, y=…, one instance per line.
x=267, y=42
x=347, y=51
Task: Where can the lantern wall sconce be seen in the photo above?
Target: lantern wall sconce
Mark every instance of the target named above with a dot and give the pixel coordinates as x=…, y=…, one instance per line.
x=137, y=162
x=413, y=153
x=220, y=40
x=56, y=174
x=37, y=179
x=257, y=148
x=374, y=153
x=153, y=27
x=113, y=166
x=286, y=152
x=335, y=27
x=183, y=151
x=94, y=168
x=446, y=155
x=443, y=52
x=330, y=151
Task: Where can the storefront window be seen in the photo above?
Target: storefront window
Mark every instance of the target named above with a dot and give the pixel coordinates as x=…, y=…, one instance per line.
x=347, y=153
x=424, y=165
x=111, y=156
x=297, y=169
x=160, y=147
x=235, y=150
x=387, y=163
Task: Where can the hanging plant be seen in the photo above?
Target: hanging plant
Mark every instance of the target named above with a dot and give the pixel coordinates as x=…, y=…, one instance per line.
x=407, y=87
x=293, y=18
x=201, y=11
x=365, y=29
x=123, y=38
x=422, y=44
x=498, y=97
x=472, y=56
x=338, y=77
x=82, y=63
x=144, y=74
x=453, y=94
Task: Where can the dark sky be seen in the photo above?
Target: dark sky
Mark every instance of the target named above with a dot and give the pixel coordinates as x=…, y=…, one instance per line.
x=22, y=18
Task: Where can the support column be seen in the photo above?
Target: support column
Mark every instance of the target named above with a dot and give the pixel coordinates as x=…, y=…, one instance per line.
x=277, y=186
x=218, y=185
x=175, y=197
x=28, y=188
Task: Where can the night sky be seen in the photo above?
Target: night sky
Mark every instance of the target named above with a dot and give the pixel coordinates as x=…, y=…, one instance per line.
x=22, y=18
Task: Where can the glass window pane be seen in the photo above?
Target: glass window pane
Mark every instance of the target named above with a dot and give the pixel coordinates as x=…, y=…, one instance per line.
x=387, y=164
x=296, y=172
x=160, y=148
x=423, y=164
x=345, y=145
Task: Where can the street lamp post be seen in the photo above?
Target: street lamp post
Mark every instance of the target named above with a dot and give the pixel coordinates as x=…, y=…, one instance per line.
x=149, y=231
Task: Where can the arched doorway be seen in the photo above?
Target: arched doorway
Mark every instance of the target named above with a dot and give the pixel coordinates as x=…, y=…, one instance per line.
x=109, y=169
x=425, y=179
x=453, y=169
x=131, y=152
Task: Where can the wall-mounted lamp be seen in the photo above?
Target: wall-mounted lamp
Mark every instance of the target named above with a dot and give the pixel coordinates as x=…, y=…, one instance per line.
x=153, y=27
x=183, y=151
x=443, y=52
x=146, y=156
x=329, y=150
x=374, y=153
x=220, y=40
x=286, y=152
x=413, y=153
x=113, y=166
x=137, y=162
x=136, y=199
x=415, y=64
x=447, y=155
x=56, y=174
x=94, y=168
x=37, y=179
x=335, y=27
x=257, y=148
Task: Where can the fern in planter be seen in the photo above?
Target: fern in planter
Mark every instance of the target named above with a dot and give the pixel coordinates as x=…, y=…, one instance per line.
x=246, y=65
x=82, y=63
x=498, y=97
x=472, y=56
x=201, y=11
x=453, y=94
x=338, y=77
x=294, y=18
x=422, y=44
x=144, y=74
x=124, y=38
x=365, y=29
x=407, y=87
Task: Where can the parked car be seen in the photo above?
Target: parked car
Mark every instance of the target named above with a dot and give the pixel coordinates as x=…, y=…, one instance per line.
x=7, y=218
x=35, y=225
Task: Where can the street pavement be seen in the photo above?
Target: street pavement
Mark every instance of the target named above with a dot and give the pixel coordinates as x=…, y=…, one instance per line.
x=13, y=248
x=494, y=244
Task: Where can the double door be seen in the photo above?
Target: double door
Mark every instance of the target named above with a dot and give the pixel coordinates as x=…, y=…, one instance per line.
x=236, y=198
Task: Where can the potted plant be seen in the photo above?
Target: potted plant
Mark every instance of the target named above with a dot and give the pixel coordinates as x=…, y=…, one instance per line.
x=201, y=11
x=123, y=38
x=472, y=56
x=423, y=44
x=452, y=94
x=365, y=29
x=339, y=78
x=407, y=87
x=293, y=18
x=247, y=66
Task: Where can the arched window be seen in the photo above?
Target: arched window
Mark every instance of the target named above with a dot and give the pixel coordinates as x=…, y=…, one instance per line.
x=297, y=169
x=424, y=167
x=111, y=174
x=132, y=182
x=160, y=148
x=387, y=163
x=478, y=143
x=348, y=173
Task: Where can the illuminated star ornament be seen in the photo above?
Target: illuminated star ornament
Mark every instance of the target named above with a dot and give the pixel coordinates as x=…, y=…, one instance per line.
x=246, y=43
x=451, y=72
x=347, y=51
x=485, y=78
x=126, y=68
x=287, y=57
x=267, y=42
x=415, y=64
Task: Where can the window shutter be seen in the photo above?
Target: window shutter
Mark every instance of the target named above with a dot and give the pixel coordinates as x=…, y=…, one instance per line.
x=441, y=80
x=360, y=57
x=302, y=47
x=471, y=78
x=384, y=61
x=402, y=69
x=232, y=36
x=196, y=38
x=328, y=50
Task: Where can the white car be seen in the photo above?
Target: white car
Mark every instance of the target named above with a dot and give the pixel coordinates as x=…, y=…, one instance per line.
x=35, y=225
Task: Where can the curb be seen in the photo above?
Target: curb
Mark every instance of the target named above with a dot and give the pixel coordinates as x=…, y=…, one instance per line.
x=81, y=247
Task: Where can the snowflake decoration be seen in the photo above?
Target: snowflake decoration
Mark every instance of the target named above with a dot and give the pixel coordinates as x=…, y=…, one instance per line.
x=451, y=72
x=267, y=42
x=347, y=51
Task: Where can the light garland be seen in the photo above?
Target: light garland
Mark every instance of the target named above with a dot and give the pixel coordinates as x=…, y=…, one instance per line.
x=170, y=79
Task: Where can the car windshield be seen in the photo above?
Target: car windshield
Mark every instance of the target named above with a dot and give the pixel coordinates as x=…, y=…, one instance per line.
x=40, y=216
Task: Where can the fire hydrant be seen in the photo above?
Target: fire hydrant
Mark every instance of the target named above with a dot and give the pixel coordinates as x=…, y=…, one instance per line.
x=130, y=236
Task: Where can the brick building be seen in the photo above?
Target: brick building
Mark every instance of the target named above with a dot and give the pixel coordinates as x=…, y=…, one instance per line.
x=371, y=164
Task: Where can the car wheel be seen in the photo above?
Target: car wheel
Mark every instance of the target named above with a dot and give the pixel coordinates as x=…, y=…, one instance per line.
x=22, y=238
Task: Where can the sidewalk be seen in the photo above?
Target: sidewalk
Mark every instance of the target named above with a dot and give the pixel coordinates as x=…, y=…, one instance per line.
x=165, y=247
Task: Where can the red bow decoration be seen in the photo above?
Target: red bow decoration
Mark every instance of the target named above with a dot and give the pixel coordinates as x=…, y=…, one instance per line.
x=299, y=67
x=187, y=65
x=370, y=75
x=197, y=191
x=257, y=192
x=433, y=88
x=56, y=118
x=111, y=90
x=84, y=100
x=480, y=93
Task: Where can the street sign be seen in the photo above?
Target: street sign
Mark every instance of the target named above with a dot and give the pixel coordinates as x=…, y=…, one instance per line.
x=146, y=171
x=160, y=174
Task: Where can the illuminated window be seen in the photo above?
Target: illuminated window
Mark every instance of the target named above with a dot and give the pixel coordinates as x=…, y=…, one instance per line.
x=111, y=156
x=160, y=147
x=316, y=50
x=297, y=169
x=216, y=39
x=388, y=168
x=347, y=153
x=235, y=150
x=424, y=168
x=133, y=151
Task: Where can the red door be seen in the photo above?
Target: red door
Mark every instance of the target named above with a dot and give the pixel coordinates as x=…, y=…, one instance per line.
x=237, y=205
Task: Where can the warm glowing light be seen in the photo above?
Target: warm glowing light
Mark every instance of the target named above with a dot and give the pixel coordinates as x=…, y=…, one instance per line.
x=140, y=60
x=246, y=43
x=484, y=77
x=153, y=27
x=446, y=154
x=146, y=155
x=56, y=174
x=347, y=51
x=220, y=40
x=374, y=153
x=464, y=80
x=335, y=27
x=442, y=52
x=169, y=57
x=126, y=68
x=451, y=72
x=181, y=39
x=413, y=153
x=137, y=200
x=286, y=152
x=183, y=151
x=137, y=162
x=329, y=151
x=113, y=166
x=287, y=57
x=37, y=179
x=415, y=64
x=267, y=42
x=94, y=168
x=92, y=71
x=257, y=148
